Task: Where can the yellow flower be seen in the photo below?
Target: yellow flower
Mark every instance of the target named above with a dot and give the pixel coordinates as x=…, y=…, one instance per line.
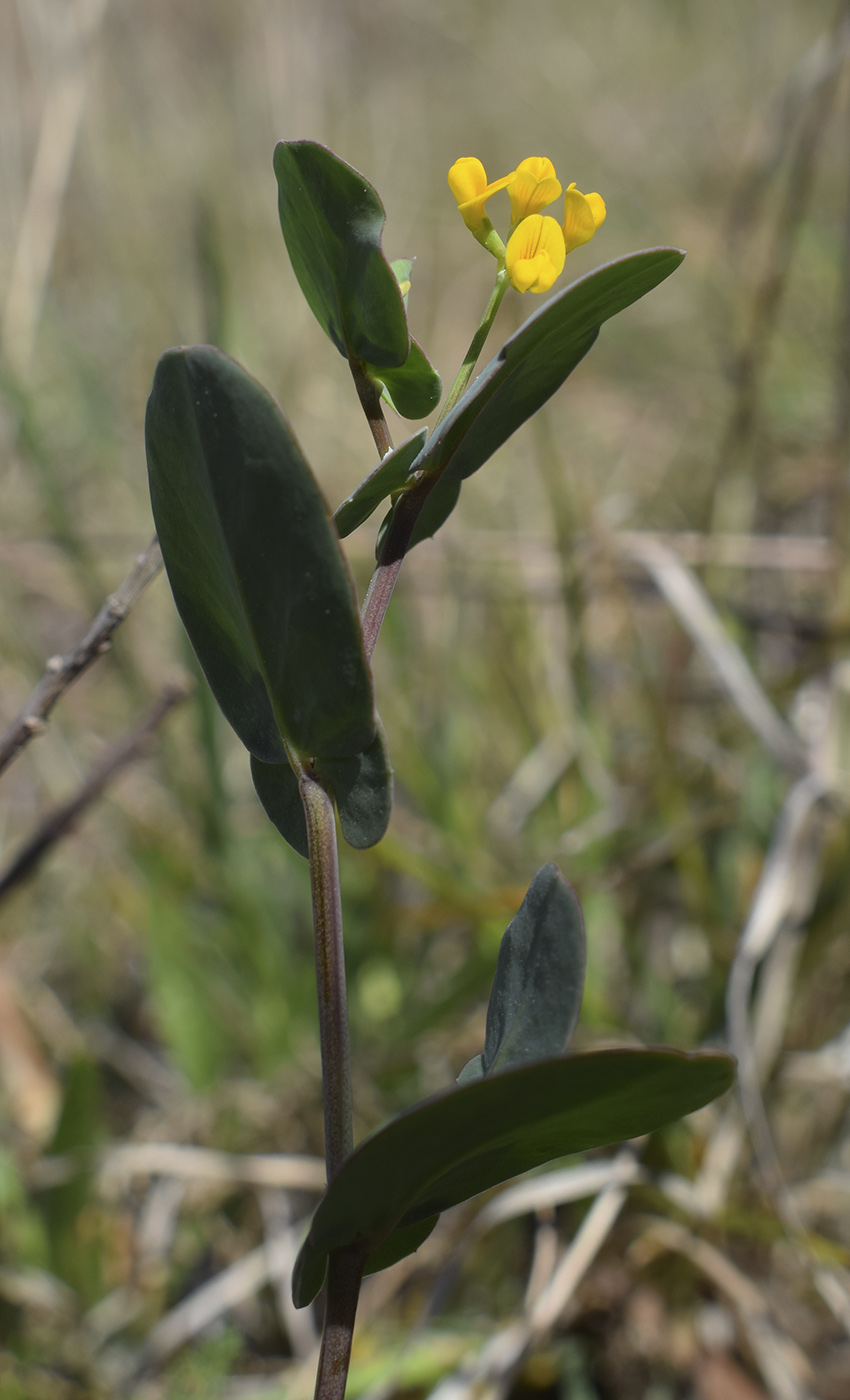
x=468, y=184
x=535, y=254
x=583, y=215
x=534, y=185
x=537, y=244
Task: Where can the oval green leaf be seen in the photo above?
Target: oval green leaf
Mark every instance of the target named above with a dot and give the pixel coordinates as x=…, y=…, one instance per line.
x=537, y=989
x=277, y=788
x=332, y=220
x=468, y=1139
x=361, y=786
x=254, y=562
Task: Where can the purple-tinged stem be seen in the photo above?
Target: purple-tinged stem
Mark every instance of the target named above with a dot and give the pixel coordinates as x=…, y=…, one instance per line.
x=330, y=971
x=370, y=401
x=395, y=547
x=345, y=1272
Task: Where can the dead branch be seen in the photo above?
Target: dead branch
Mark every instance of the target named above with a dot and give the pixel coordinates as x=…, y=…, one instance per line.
x=61, y=671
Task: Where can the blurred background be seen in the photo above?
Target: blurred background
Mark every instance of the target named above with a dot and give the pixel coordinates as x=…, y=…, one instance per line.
x=627, y=652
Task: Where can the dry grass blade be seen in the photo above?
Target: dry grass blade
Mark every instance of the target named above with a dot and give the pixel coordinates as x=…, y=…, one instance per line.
x=268, y=1263
x=490, y=1375
x=287, y=1170
x=784, y=1368
x=558, y=1188
x=783, y=900
x=694, y=609
x=117, y=1166
x=57, y=137
x=804, y=553
x=537, y=774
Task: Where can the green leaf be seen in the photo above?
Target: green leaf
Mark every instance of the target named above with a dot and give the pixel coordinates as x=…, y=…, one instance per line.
x=468, y=1139
x=361, y=787
x=533, y=363
x=414, y=389
x=539, y=980
x=439, y=504
x=332, y=220
x=472, y=1070
x=399, y=1244
x=277, y=788
x=388, y=476
x=254, y=563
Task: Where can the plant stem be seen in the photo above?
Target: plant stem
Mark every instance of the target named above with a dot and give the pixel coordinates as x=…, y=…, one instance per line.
x=345, y=1267
x=345, y=1271
x=409, y=503
x=477, y=343
x=395, y=546
x=370, y=401
x=330, y=969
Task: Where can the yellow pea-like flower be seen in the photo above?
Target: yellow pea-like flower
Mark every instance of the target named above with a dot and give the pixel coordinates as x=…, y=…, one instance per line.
x=535, y=254
x=468, y=184
x=537, y=243
x=583, y=215
x=534, y=185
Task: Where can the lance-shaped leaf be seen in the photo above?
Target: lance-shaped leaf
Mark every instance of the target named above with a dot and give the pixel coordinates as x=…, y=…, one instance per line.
x=361, y=787
x=390, y=475
x=468, y=1139
x=332, y=221
x=537, y=989
x=254, y=563
x=531, y=365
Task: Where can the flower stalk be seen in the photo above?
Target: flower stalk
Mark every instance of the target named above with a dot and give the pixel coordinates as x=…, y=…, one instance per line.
x=476, y=345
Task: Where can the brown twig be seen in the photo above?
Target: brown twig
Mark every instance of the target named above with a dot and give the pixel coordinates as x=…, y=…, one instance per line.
x=61, y=671
x=117, y=757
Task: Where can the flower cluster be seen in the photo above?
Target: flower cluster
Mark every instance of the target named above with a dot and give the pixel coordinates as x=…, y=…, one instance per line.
x=537, y=244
